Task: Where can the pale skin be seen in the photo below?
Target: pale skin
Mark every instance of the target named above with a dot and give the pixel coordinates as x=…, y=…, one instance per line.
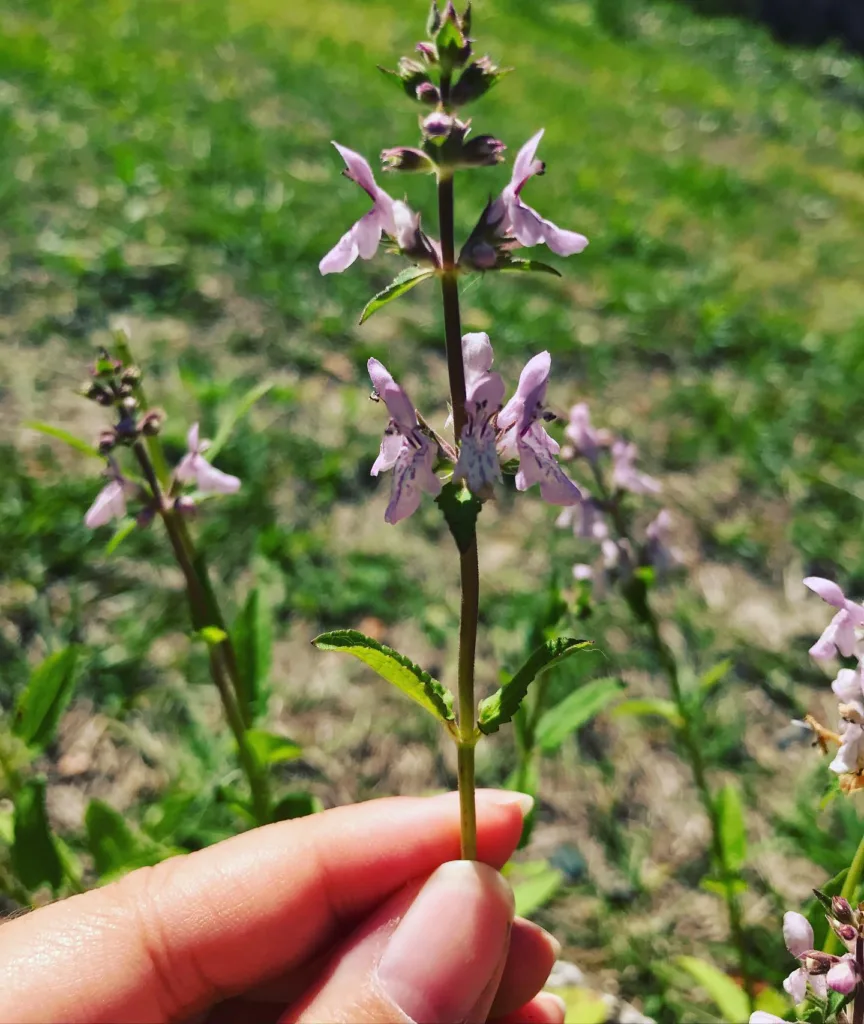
x=357, y=914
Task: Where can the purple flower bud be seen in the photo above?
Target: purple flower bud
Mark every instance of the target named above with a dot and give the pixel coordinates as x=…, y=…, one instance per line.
x=841, y=908
x=428, y=51
x=437, y=125
x=482, y=151
x=406, y=158
x=151, y=423
x=426, y=92
x=843, y=976
x=107, y=441
x=846, y=932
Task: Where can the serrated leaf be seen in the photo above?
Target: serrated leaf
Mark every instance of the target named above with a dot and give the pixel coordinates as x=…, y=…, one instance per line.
x=113, y=844
x=34, y=853
x=269, y=748
x=252, y=634
x=400, y=284
x=733, y=829
x=527, y=267
x=576, y=710
x=395, y=668
x=729, y=997
x=649, y=706
x=64, y=436
x=500, y=708
x=236, y=413
x=460, y=509
x=46, y=697
x=124, y=528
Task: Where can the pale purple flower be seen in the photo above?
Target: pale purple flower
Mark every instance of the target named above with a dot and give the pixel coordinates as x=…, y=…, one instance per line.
x=840, y=632
x=848, y=685
x=194, y=468
x=763, y=1017
x=478, y=462
x=582, y=571
x=523, y=436
x=659, y=548
x=850, y=757
x=585, y=519
x=404, y=448
x=520, y=221
x=625, y=476
x=387, y=216
x=110, y=504
x=586, y=441
x=798, y=936
x=843, y=976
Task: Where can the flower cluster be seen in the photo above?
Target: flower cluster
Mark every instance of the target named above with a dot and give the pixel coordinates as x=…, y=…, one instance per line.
x=115, y=385
x=843, y=636
x=819, y=972
x=494, y=435
x=600, y=517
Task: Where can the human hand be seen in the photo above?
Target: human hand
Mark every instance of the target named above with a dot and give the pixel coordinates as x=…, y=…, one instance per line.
x=358, y=914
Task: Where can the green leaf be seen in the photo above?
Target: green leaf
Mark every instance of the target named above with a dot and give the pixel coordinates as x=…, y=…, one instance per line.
x=64, y=436
x=650, y=706
x=269, y=748
x=737, y=886
x=716, y=674
x=114, y=846
x=500, y=708
x=235, y=415
x=395, y=668
x=816, y=915
x=730, y=998
x=211, y=635
x=34, y=852
x=577, y=708
x=534, y=885
x=252, y=634
x=400, y=284
x=46, y=697
x=733, y=829
x=460, y=509
x=769, y=1000
x=296, y=805
x=124, y=528
x=582, y=1005
x=527, y=267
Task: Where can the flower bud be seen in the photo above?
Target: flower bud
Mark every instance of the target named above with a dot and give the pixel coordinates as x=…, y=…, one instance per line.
x=129, y=404
x=841, y=908
x=130, y=376
x=105, y=398
x=412, y=74
x=151, y=422
x=451, y=38
x=405, y=158
x=106, y=442
x=437, y=125
x=427, y=93
x=846, y=932
x=483, y=151
x=428, y=52
x=475, y=81
x=815, y=962
x=94, y=392
x=185, y=505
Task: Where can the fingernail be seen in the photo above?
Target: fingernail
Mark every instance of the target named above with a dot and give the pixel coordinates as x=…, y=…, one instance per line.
x=505, y=798
x=459, y=923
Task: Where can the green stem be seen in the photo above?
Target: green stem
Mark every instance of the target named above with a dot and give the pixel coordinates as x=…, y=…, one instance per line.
x=205, y=612
x=469, y=571
x=850, y=887
x=640, y=606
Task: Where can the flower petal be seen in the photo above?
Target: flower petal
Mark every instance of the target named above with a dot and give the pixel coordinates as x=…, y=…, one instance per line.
x=843, y=976
x=796, y=986
x=827, y=590
x=211, y=480
x=762, y=1017
x=399, y=405
x=847, y=686
x=525, y=166
x=478, y=461
x=412, y=475
x=187, y=468
x=110, y=504
x=797, y=933
x=357, y=169
x=537, y=465
x=530, y=393
x=391, y=445
x=193, y=439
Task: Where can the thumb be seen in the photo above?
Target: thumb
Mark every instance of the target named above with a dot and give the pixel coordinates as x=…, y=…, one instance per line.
x=434, y=952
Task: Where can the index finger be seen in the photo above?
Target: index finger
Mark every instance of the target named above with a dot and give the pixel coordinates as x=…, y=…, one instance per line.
x=168, y=941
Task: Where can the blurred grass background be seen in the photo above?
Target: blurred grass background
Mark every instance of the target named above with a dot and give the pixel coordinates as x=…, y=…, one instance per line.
x=168, y=165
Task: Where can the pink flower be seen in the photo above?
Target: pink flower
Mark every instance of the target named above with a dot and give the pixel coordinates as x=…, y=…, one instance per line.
x=762, y=1017
x=520, y=221
x=194, y=468
x=625, y=476
x=387, y=216
x=839, y=634
x=848, y=686
x=850, y=757
x=843, y=976
x=110, y=504
x=478, y=462
x=585, y=440
x=523, y=436
x=798, y=936
x=404, y=448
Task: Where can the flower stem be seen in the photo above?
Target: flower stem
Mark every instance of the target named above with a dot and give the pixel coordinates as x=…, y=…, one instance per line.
x=205, y=612
x=858, y=1009
x=850, y=887
x=636, y=596
x=469, y=571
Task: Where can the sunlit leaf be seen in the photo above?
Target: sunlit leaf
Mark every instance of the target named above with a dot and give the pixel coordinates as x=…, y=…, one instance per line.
x=296, y=805
x=577, y=708
x=729, y=997
x=270, y=748
x=252, y=634
x=527, y=267
x=124, y=528
x=45, y=698
x=114, y=846
x=646, y=706
x=501, y=706
x=235, y=414
x=535, y=884
x=401, y=284
x=63, y=435
x=733, y=829
x=395, y=668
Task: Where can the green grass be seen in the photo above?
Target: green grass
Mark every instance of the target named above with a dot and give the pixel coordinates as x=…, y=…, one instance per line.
x=170, y=162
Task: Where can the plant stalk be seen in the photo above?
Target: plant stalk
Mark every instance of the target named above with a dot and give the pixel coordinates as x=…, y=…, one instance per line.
x=850, y=887
x=205, y=612
x=858, y=1008
x=642, y=611
x=469, y=571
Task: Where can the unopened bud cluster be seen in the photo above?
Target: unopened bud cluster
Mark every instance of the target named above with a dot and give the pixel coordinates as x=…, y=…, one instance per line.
x=114, y=385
